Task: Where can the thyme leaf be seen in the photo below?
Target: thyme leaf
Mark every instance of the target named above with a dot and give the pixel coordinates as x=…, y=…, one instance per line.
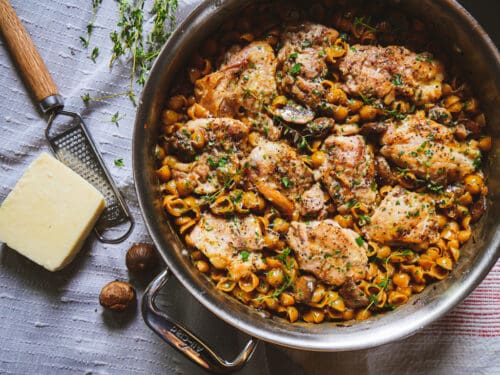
x=117, y=117
x=132, y=42
x=90, y=26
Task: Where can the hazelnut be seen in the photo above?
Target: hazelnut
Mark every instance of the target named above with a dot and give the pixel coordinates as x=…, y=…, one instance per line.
x=117, y=295
x=141, y=257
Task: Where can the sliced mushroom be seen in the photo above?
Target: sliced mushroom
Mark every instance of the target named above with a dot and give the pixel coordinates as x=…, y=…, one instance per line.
x=304, y=288
x=373, y=129
x=441, y=115
x=320, y=127
x=294, y=113
x=277, y=199
x=478, y=209
x=353, y=296
x=471, y=126
x=384, y=171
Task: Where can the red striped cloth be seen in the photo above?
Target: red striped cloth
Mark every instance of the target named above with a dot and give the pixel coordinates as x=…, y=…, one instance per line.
x=478, y=315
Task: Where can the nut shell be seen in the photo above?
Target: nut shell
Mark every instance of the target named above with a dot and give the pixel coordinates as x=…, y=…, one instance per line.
x=141, y=257
x=117, y=295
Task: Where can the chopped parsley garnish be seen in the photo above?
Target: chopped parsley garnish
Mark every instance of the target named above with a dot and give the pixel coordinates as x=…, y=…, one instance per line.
x=360, y=241
x=351, y=203
x=477, y=162
x=384, y=284
x=286, y=182
x=397, y=80
x=365, y=219
x=394, y=113
x=244, y=255
x=219, y=163
x=435, y=188
x=423, y=58
x=296, y=69
x=366, y=99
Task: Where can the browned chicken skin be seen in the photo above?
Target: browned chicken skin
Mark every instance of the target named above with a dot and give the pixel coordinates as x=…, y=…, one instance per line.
x=242, y=87
x=404, y=218
x=313, y=122
x=349, y=170
x=374, y=71
x=283, y=178
x=332, y=253
x=225, y=141
x=225, y=134
x=221, y=241
x=428, y=149
x=302, y=66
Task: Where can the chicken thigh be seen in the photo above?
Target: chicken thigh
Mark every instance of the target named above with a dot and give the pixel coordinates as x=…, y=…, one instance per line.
x=374, y=71
x=404, y=218
x=332, y=253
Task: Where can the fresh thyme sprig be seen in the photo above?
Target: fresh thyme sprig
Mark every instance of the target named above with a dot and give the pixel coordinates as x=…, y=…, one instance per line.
x=119, y=163
x=117, y=117
x=130, y=39
x=384, y=284
x=297, y=138
x=90, y=27
x=94, y=54
x=365, y=22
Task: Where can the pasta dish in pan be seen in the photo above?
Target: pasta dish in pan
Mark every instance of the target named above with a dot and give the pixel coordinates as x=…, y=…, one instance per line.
x=322, y=165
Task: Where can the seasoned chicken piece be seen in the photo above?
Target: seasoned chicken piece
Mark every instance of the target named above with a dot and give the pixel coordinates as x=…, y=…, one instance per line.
x=223, y=134
x=348, y=172
x=282, y=177
x=302, y=65
x=222, y=240
x=376, y=71
x=312, y=201
x=404, y=218
x=243, y=86
x=223, y=142
x=428, y=149
x=332, y=253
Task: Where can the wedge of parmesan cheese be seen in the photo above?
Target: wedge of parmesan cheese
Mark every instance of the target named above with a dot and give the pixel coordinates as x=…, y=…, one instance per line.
x=49, y=213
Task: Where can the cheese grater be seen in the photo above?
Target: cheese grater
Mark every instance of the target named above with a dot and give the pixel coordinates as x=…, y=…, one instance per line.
x=66, y=132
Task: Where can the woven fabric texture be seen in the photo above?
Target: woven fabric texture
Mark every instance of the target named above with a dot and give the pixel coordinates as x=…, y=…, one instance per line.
x=52, y=322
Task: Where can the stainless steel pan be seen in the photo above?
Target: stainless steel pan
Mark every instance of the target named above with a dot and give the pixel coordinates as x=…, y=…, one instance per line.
x=471, y=48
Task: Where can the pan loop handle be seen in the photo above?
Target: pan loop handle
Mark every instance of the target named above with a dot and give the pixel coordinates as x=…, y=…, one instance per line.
x=182, y=339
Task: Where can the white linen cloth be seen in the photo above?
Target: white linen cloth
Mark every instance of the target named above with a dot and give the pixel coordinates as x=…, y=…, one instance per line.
x=52, y=322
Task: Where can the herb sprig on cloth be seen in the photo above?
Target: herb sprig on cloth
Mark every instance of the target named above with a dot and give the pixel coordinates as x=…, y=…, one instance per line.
x=131, y=41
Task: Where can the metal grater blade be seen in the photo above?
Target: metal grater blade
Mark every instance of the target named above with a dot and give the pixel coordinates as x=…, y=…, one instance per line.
x=74, y=147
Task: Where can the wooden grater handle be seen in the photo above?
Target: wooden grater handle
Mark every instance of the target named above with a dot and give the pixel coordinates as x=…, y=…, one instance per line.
x=25, y=54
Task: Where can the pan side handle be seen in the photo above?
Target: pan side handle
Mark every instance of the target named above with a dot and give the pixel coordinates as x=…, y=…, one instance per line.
x=182, y=339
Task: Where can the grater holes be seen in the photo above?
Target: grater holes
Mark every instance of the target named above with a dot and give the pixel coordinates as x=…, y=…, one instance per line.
x=74, y=149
